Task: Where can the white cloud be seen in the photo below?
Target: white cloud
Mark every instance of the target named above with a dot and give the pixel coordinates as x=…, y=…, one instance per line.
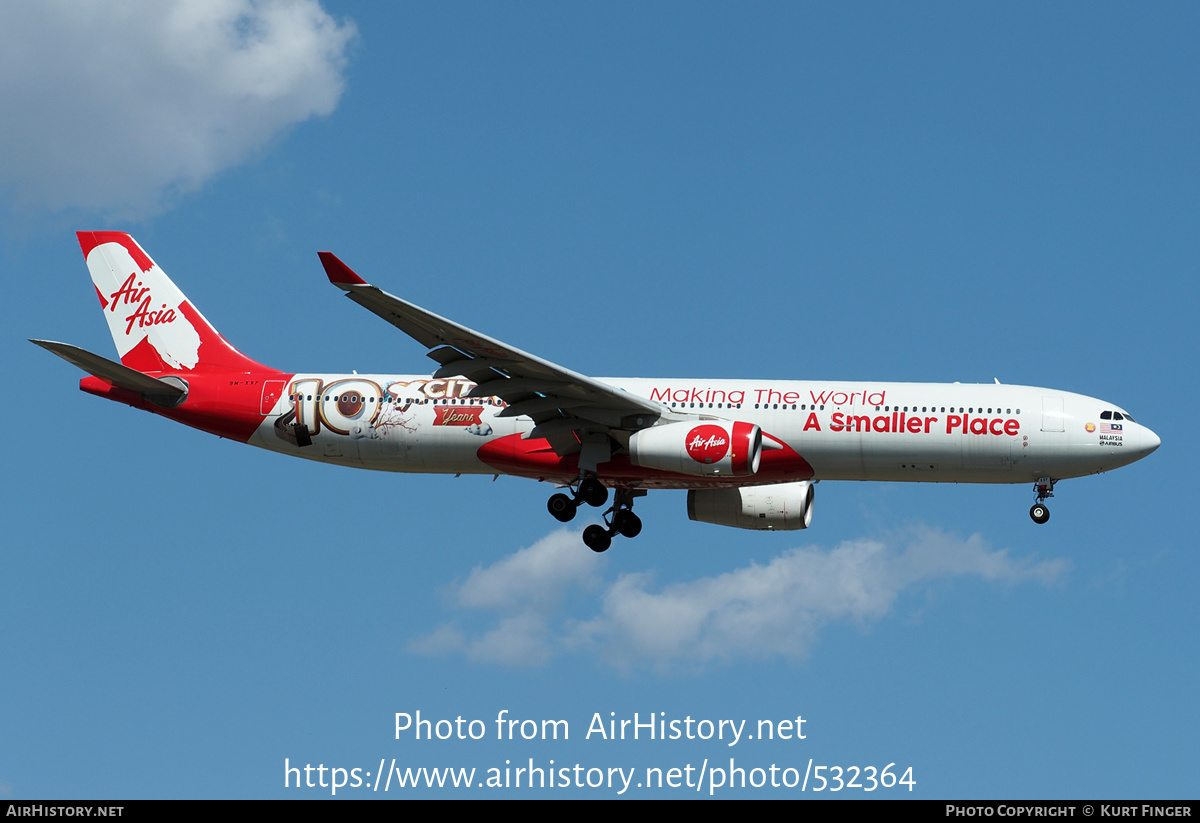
x=534, y=578
x=525, y=591
x=116, y=106
x=755, y=612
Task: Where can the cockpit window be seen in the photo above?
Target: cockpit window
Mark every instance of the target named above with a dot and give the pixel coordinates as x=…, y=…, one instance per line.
x=1117, y=416
x=1106, y=415
x=1129, y=418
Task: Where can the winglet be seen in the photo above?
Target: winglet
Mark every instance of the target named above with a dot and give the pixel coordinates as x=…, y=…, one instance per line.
x=339, y=273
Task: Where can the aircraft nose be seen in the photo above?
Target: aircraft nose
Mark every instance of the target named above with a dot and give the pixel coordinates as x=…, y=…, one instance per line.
x=1147, y=442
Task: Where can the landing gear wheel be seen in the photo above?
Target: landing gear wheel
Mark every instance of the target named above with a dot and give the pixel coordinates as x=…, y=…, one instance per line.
x=592, y=492
x=561, y=507
x=1039, y=513
x=597, y=538
x=626, y=523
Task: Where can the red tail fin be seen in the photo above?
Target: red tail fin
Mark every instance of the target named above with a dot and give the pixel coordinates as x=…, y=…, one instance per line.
x=152, y=323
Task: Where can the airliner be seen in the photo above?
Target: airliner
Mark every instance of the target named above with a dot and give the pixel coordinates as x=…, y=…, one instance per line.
x=748, y=452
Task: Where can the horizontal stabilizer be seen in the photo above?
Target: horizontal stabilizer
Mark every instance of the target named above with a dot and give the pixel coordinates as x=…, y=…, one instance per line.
x=157, y=391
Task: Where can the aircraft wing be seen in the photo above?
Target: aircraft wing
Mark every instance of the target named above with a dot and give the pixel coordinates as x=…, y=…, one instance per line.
x=564, y=404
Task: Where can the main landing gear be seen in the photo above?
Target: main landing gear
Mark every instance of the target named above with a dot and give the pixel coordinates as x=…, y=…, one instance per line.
x=590, y=491
x=1044, y=487
x=619, y=519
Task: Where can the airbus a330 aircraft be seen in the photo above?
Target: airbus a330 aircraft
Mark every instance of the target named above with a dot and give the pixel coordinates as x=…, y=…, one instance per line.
x=747, y=451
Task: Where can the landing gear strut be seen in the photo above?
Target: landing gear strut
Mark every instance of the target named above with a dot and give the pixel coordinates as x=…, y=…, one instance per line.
x=590, y=491
x=620, y=519
x=1044, y=487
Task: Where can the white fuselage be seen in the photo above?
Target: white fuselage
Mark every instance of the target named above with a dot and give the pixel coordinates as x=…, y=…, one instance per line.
x=931, y=432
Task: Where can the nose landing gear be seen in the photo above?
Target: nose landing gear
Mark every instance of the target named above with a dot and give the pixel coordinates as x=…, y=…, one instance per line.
x=1044, y=487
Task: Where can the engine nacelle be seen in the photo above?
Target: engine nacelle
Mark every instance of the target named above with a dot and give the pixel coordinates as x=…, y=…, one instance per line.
x=779, y=507
x=717, y=448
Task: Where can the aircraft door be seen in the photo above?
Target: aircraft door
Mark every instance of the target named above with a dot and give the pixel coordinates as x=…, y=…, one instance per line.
x=271, y=392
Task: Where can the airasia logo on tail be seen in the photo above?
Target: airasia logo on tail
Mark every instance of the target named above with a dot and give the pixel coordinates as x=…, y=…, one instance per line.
x=131, y=293
x=707, y=444
x=141, y=303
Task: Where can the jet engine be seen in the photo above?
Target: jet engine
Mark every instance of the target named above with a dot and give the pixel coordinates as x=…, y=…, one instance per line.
x=779, y=507
x=713, y=448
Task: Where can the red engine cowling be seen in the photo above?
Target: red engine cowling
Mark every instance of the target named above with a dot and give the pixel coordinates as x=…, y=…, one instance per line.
x=717, y=448
x=779, y=507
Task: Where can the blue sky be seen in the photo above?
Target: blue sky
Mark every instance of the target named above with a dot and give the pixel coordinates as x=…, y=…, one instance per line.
x=938, y=192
